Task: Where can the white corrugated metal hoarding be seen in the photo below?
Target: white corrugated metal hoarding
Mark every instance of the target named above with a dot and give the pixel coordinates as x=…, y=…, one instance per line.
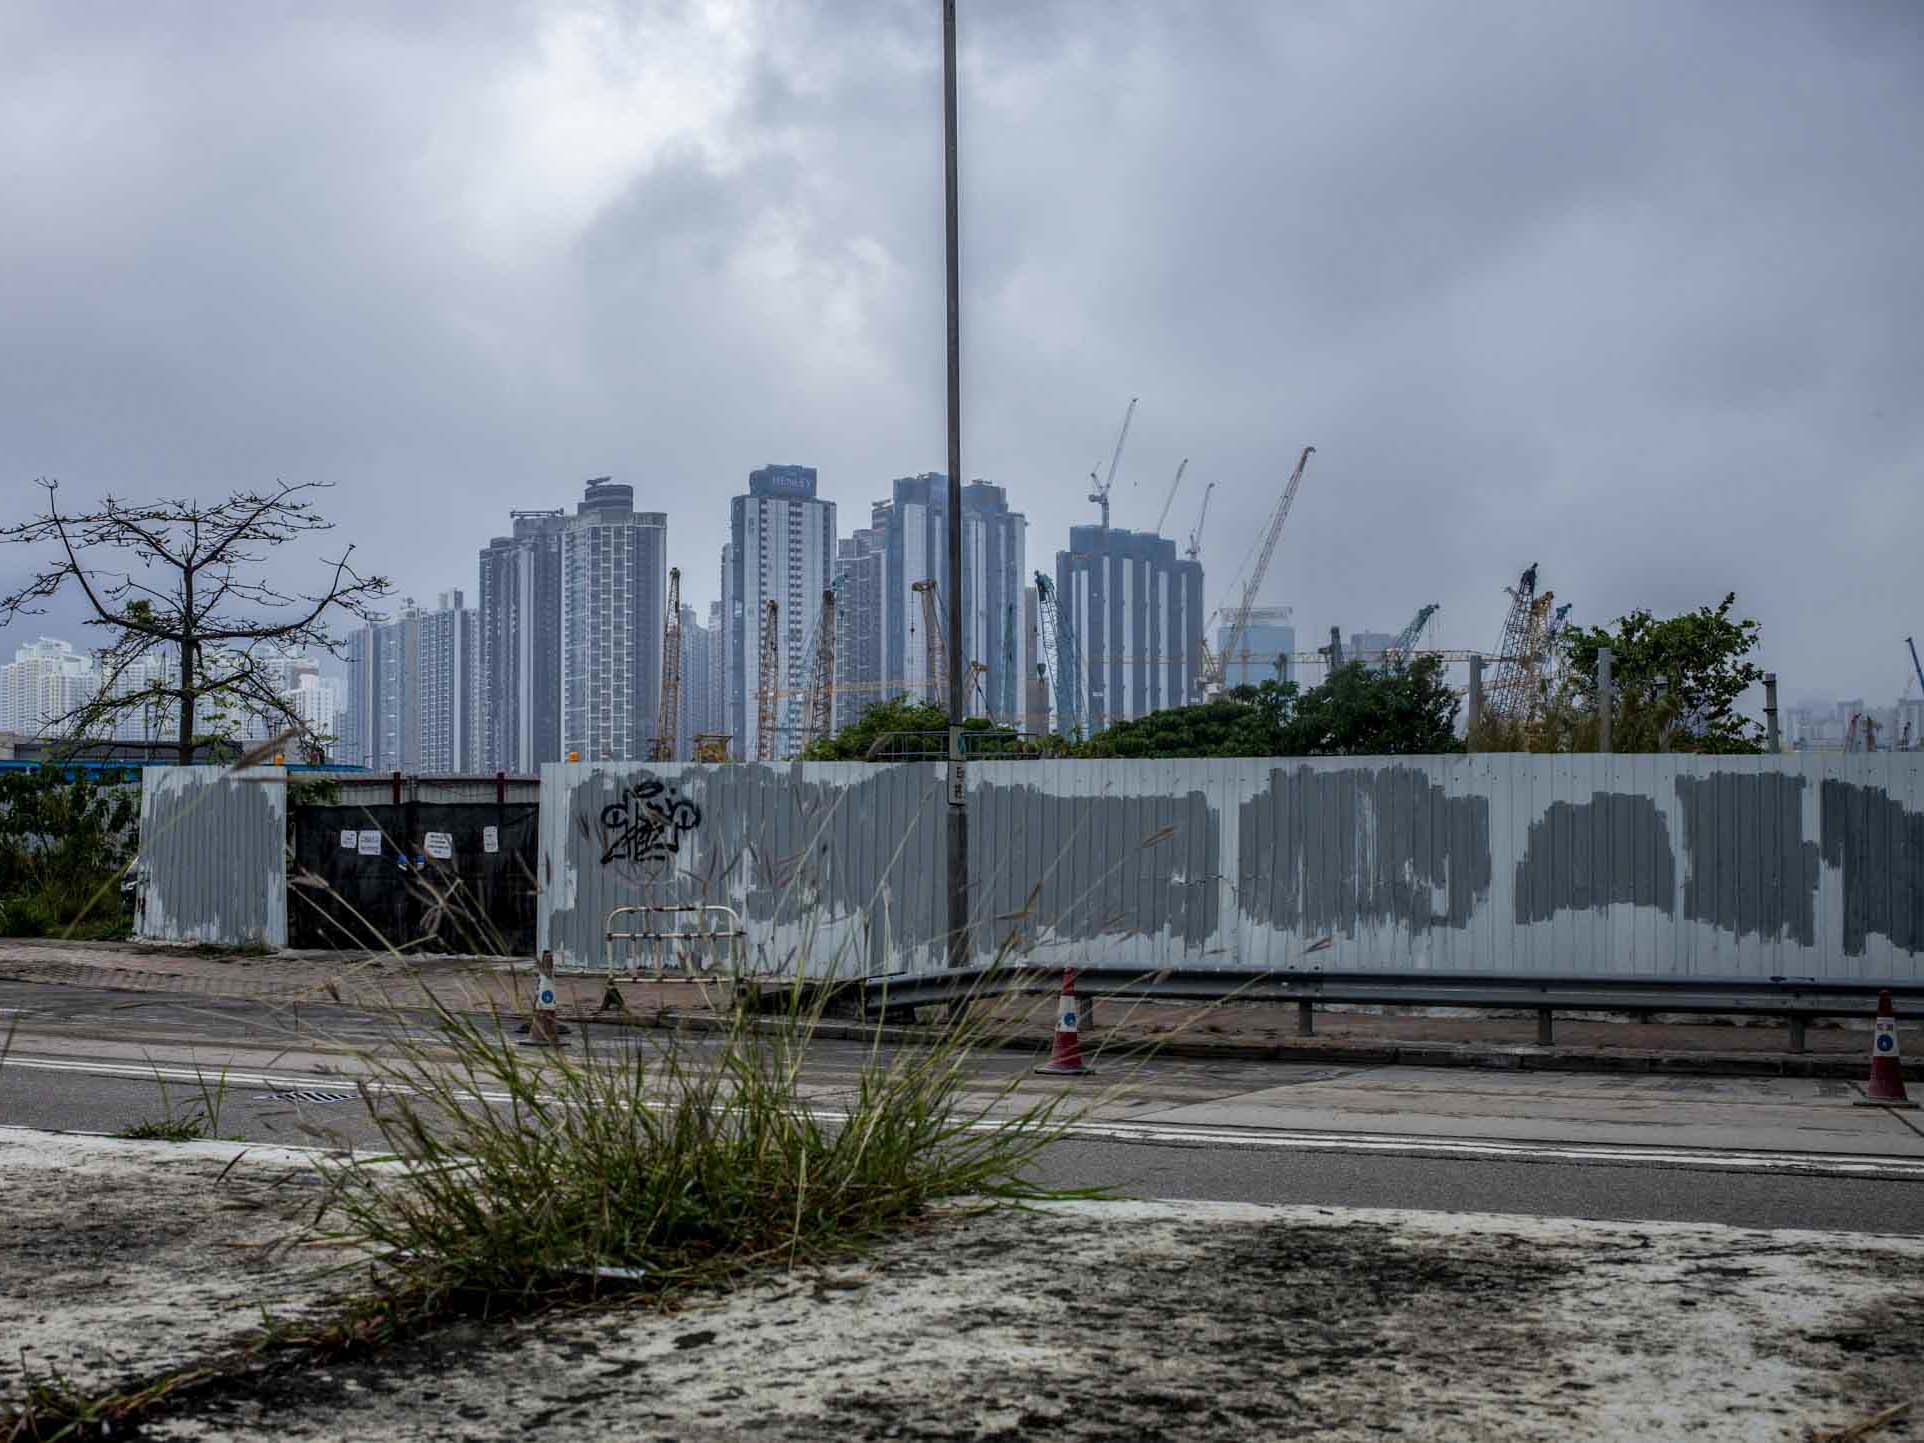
x=1679, y=866
x=213, y=856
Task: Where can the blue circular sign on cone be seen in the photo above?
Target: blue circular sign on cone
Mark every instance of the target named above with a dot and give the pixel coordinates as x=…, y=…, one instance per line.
x=545, y=999
x=1886, y=1043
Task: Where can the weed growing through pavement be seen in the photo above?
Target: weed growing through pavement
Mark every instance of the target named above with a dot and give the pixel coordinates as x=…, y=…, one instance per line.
x=193, y=1125
x=673, y=1159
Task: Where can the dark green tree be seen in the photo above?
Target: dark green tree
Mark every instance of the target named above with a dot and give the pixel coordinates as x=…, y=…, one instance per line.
x=1678, y=679
x=1244, y=722
x=1397, y=710
x=1359, y=711
x=901, y=730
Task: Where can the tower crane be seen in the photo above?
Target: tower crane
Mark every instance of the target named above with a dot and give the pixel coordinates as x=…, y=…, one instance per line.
x=938, y=661
x=1239, y=622
x=1194, y=550
x=1060, y=662
x=670, y=716
x=768, y=679
x=818, y=708
x=1101, y=494
x=1174, y=486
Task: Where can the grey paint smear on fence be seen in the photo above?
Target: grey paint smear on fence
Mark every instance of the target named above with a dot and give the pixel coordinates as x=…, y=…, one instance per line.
x=781, y=847
x=1878, y=843
x=1751, y=871
x=213, y=856
x=1584, y=856
x=1337, y=850
x=1084, y=867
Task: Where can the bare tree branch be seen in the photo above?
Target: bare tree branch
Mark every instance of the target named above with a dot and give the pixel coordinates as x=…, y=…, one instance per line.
x=191, y=600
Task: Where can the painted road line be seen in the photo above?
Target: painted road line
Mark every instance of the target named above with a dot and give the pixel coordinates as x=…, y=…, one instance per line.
x=1806, y=1164
x=1494, y=1149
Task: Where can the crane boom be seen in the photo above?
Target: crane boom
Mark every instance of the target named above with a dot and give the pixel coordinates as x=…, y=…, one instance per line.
x=818, y=709
x=1174, y=486
x=1101, y=494
x=670, y=716
x=1194, y=549
x=1405, y=643
x=768, y=681
x=1062, y=666
x=1239, y=623
x=938, y=660
x=1916, y=666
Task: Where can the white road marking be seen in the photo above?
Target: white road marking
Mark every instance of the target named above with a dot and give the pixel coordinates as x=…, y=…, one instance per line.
x=1806, y=1164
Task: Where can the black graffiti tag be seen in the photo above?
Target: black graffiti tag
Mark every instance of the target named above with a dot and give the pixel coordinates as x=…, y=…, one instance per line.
x=647, y=824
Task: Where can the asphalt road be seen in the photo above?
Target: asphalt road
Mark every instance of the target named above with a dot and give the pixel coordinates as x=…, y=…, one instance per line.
x=69, y=1044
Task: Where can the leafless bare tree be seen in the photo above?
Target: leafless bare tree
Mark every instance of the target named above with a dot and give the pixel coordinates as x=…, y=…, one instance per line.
x=185, y=582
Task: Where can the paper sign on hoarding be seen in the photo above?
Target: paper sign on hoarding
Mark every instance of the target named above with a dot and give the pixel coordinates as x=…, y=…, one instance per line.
x=440, y=845
x=490, y=839
x=370, y=844
x=350, y=840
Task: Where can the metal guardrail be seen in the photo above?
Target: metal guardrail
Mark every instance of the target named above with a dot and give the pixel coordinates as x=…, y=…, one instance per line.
x=674, y=955
x=1795, y=999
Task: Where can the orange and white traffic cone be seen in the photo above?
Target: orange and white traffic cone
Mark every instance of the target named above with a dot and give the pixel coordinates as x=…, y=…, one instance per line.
x=1886, y=1087
x=545, y=1029
x=1065, y=1058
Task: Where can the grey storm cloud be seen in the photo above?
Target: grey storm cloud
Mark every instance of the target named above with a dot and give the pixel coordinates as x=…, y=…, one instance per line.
x=1630, y=290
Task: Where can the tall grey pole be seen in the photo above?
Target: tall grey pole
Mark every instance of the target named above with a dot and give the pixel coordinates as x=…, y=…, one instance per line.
x=1773, y=742
x=1475, y=722
x=1606, y=698
x=958, y=918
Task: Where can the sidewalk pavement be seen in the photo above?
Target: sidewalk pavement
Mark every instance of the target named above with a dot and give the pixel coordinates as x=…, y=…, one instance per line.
x=1074, y=1321
x=1248, y=1031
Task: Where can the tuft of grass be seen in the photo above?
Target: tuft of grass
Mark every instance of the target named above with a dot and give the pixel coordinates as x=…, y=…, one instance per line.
x=52, y=1409
x=665, y=1160
x=201, y=1121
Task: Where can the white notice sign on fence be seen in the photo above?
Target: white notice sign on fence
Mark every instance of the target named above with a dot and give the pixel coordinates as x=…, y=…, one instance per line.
x=440, y=845
x=370, y=844
x=350, y=840
x=490, y=839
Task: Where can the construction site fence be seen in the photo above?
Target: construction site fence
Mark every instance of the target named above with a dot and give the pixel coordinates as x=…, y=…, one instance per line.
x=1660, y=866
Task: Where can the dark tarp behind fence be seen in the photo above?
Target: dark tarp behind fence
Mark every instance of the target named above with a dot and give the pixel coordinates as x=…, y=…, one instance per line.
x=416, y=877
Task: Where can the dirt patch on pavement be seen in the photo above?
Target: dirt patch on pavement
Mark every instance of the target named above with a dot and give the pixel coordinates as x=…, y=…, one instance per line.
x=124, y=1260
x=1180, y=1321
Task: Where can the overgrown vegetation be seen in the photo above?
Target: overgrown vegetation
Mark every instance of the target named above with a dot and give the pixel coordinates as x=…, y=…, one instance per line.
x=66, y=842
x=903, y=730
x=1676, y=681
x=667, y=1161
x=1361, y=710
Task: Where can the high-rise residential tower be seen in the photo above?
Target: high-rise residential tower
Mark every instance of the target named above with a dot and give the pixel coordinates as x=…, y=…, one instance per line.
x=614, y=581
x=859, y=611
x=1137, y=613
x=45, y=681
x=781, y=548
x=915, y=542
x=519, y=677
x=412, y=690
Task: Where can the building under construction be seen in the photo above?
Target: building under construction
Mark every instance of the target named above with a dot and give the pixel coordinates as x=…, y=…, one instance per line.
x=1136, y=610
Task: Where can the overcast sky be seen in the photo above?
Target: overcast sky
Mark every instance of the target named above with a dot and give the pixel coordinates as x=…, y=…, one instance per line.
x=1632, y=290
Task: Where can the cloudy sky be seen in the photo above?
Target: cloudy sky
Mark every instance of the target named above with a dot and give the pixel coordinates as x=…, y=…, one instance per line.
x=1632, y=290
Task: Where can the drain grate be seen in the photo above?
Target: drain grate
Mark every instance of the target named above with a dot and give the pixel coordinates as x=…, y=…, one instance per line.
x=304, y=1094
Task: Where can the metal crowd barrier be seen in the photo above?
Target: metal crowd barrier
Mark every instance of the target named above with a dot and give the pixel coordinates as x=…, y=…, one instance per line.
x=652, y=954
